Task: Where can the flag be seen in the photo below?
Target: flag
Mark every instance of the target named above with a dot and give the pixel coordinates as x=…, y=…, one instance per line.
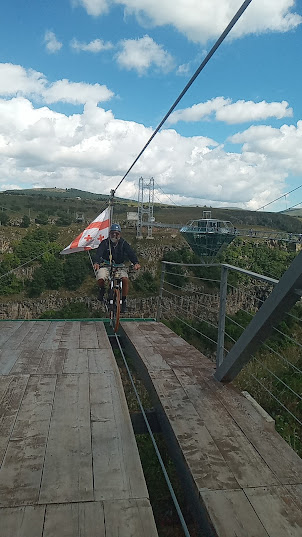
x=92, y=236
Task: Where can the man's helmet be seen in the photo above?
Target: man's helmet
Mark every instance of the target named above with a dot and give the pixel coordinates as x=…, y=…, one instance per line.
x=115, y=227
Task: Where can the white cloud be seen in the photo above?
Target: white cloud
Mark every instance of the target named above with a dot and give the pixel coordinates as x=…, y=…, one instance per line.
x=76, y=92
x=9, y=187
x=93, y=7
x=232, y=113
x=201, y=20
x=243, y=111
x=141, y=54
x=95, y=46
x=15, y=80
x=183, y=69
x=52, y=44
x=93, y=150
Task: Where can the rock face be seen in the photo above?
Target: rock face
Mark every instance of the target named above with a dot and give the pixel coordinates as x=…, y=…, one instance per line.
x=189, y=305
x=34, y=308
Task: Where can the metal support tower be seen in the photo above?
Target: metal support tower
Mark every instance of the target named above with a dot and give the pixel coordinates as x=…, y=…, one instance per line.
x=145, y=207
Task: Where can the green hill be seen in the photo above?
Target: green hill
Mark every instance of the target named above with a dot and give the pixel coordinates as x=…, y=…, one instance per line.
x=54, y=203
x=59, y=193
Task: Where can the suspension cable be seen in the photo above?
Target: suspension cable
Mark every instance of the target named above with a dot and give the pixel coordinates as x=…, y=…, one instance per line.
x=276, y=398
x=277, y=378
x=279, y=198
x=282, y=357
x=23, y=265
x=203, y=320
x=197, y=72
x=193, y=291
x=190, y=326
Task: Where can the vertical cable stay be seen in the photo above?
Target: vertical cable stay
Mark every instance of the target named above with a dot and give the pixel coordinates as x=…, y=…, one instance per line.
x=189, y=84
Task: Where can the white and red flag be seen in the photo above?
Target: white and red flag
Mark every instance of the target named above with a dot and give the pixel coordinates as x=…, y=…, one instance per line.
x=91, y=237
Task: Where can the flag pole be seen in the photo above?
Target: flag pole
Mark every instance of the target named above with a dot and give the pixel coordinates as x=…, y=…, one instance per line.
x=111, y=201
x=111, y=220
x=92, y=263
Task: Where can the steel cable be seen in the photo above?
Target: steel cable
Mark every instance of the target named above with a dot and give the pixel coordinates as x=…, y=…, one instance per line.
x=192, y=79
x=169, y=484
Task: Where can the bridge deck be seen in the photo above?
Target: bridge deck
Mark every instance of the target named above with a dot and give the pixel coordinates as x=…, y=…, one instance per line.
x=69, y=464
x=247, y=482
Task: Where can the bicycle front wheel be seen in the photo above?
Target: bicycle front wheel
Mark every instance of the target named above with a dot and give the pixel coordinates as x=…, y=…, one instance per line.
x=116, y=309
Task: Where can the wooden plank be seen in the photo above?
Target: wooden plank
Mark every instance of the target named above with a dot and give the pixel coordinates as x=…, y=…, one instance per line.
x=52, y=337
x=272, y=448
x=21, y=470
x=67, y=475
x=153, y=358
x=22, y=521
x=52, y=362
x=88, y=336
x=174, y=356
x=296, y=493
x=103, y=341
x=27, y=363
x=117, y=468
x=4, y=383
x=70, y=338
x=245, y=462
x=35, y=335
x=232, y=515
x=129, y=518
x=75, y=520
x=101, y=360
x=277, y=511
x=76, y=361
x=15, y=339
x=204, y=460
x=7, y=330
x=9, y=407
x=8, y=358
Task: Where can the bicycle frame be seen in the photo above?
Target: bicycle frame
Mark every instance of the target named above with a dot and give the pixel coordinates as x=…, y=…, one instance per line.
x=114, y=298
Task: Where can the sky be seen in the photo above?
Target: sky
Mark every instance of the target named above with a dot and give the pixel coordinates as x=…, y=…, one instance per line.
x=84, y=83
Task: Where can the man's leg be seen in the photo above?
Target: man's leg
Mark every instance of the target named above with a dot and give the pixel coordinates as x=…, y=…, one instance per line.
x=101, y=284
x=101, y=276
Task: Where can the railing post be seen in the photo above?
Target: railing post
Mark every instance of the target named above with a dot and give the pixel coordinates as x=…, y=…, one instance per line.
x=222, y=311
x=162, y=279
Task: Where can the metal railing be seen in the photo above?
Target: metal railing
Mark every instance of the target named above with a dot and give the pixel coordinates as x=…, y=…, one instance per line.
x=220, y=317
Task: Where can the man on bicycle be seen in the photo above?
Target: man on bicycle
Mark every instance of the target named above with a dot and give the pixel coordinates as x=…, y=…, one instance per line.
x=114, y=249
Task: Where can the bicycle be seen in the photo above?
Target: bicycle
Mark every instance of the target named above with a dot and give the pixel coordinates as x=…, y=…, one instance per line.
x=114, y=296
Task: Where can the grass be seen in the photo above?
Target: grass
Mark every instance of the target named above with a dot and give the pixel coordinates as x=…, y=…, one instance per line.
x=281, y=382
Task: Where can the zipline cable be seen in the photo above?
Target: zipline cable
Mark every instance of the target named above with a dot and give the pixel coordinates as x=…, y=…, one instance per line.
x=280, y=197
x=197, y=72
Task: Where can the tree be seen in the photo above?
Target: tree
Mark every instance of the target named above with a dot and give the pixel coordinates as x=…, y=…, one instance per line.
x=76, y=268
x=37, y=285
x=4, y=218
x=25, y=221
x=42, y=219
x=53, y=272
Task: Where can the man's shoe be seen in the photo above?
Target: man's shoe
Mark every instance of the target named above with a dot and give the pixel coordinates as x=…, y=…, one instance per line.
x=101, y=294
x=124, y=306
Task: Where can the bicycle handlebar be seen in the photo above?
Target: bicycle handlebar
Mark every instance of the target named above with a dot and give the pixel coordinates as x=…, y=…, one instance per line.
x=105, y=262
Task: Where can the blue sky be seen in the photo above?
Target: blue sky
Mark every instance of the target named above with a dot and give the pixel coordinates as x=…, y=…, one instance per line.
x=84, y=82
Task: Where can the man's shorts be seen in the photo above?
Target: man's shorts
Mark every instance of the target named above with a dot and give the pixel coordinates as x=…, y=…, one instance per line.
x=104, y=272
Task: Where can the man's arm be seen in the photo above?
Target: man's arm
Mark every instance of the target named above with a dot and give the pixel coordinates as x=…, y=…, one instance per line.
x=131, y=255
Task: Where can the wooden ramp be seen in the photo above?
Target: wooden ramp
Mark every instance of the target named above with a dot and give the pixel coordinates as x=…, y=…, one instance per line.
x=69, y=464
x=246, y=481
